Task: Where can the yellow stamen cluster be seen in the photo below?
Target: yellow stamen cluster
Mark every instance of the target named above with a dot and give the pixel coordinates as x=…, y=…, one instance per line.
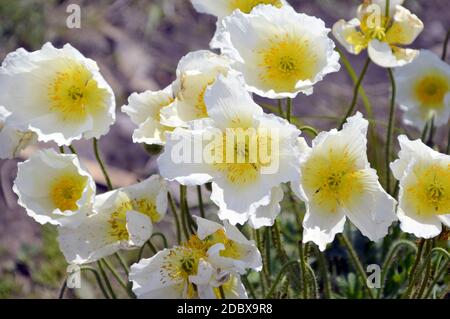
x=118, y=219
x=430, y=90
x=286, y=60
x=430, y=194
x=246, y=6
x=73, y=93
x=333, y=178
x=66, y=190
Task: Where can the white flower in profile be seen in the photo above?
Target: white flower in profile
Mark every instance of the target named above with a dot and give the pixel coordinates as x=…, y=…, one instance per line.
x=214, y=257
x=195, y=73
x=279, y=52
x=12, y=141
x=337, y=183
x=122, y=219
x=383, y=36
x=424, y=198
x=56, y=93
x=424, y=90
x=223, y=8
x=242, y=151
x=144, y=109
x=54, y=188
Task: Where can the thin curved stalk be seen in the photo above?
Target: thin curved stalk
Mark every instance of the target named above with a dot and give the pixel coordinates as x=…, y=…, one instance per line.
x=355, y=93
x=444, y=51
x=390, y=258
x=117, y=276
x=122, y=262
x=164, y=239
x=356, y=263
x=222, y=293
x=249, y=286
x=102, y=165
x=412, y=273
x=73, y=150
x=305, y=284
x=61, y=149
x=390, y=131
x=261, y=244
x=314, y=287
x=280, y=108
x=106, y=279
x=288, y=109
x=175, y=215
x=190, y=223
x=310, y=130
x=98, y=278
x=200, y=201
x=63, y=289
x=428, y=260
x=324, y=274
x=280, y=274
x=184, y=218
x=426, y=277
x=441, y=273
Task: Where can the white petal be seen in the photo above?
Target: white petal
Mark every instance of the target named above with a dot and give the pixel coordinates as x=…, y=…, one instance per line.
x=139, y=227
x=419, y=226
x=383, y=55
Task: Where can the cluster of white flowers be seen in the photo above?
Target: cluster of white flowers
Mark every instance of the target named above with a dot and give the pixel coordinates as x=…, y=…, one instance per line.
x=268, y=49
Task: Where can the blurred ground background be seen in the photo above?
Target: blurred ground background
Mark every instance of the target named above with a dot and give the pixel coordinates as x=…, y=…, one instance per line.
x=137, y=44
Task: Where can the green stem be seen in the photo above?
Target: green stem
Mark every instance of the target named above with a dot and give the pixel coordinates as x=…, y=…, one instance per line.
x=122, y=262
x=288, y=109
x=389, y=259
x=98, y=278
x=355, y=93
x=61, y=149
x=175, y=215
x=163, y=238
x=314, y=288
x=222, y=293
x=63, y=289
x=280, y=108
x=324, y=274
x=444, y=51
x=305, y=285
x=105, y=278
x=426, y=277
x=412, y=273
x=117, y=276
x=310, y=130
x=200, y=201
x=356, y=263
x=386, y=14
x=441, y=273
x=185, y=214
x=102, y=166
x=73, y=150
x=260, y=244
x=390, y=131
x=249, y=286
x=280, y=274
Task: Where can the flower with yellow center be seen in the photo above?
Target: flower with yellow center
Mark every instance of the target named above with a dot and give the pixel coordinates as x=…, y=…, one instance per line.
x=122, y=219
x=223, y=8
x=54, y=188
x=279, y=52
x=12, y=141
x=424, y=198
x=423, y=90
x=56, y=93
x=144, y=109
x=195, y=73
x=383, y=36
x=245, y=153
x=214, y=257
x=337, y=182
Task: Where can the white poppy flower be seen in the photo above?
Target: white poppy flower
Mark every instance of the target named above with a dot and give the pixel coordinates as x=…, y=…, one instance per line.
x=195, y=73
x=12, y=141
x=243, y=174
x=214, y=257
x=424, y=197
x=337, y=182
x=122, y=219
x=424, y=90
x=279, y=52
x=382, y=36
x=54, y=188
x=56, y=93
x=144, y=110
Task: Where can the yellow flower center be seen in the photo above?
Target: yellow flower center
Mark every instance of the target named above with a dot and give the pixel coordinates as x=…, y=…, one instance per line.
x=118, y=219
x=430, y=195
x=232, y=249
x=200, y=107
x=371, y=29
x=333, y=179
x=74, y=94
x=432, y=89
x=246, y=6
x=66, y=190
x=242, y=154
x=287, y=60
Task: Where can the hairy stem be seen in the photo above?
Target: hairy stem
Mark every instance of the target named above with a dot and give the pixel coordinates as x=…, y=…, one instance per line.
x=102, y=165
x=390, y=131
